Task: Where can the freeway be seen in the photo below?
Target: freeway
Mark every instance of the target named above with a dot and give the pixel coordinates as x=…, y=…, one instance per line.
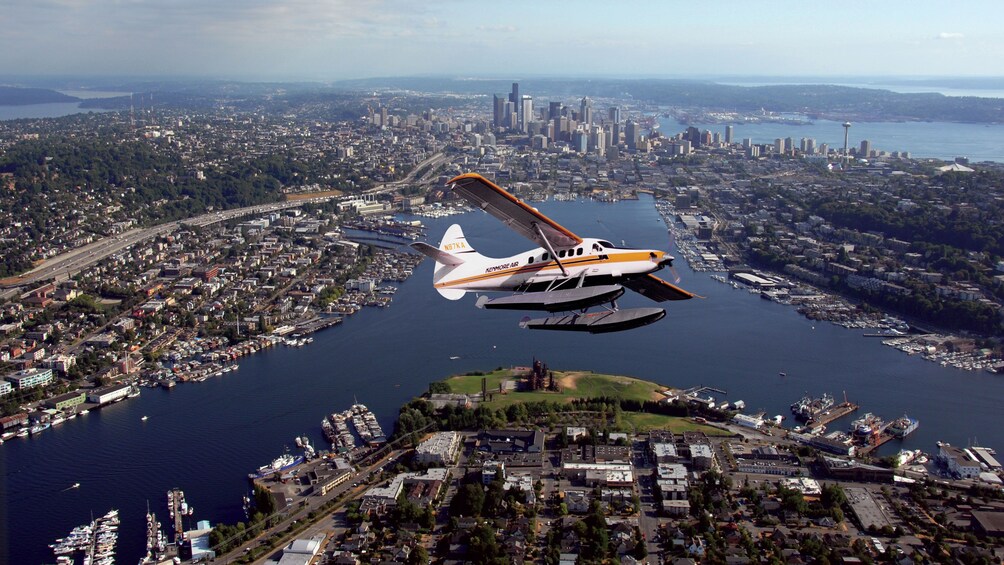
x=66, y=265
x=429, y=165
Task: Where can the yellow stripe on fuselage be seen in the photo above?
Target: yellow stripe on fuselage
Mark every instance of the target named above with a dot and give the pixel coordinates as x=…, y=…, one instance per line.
x=549, y=266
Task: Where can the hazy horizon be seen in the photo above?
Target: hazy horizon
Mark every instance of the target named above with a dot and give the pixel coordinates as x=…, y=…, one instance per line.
x=334, y=40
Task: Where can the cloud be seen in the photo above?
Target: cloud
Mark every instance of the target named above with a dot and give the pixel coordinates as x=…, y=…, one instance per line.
x=498, y=28
x=949, y=35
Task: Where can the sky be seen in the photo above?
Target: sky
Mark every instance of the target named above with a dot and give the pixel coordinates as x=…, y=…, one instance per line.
x=329, y=40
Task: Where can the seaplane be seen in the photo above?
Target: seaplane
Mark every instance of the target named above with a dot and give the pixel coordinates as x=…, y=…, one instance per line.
x=565, y=275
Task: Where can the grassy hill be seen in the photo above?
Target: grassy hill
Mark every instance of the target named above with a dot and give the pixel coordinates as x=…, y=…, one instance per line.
x=578, y=385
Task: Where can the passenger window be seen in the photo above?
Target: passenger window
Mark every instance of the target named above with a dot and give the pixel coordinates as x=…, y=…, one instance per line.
x=578, y=251
x=544, y=258
x=561, y=253
x=530, y=260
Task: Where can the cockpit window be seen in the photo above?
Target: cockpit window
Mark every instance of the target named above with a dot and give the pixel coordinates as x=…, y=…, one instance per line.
x=607, y=244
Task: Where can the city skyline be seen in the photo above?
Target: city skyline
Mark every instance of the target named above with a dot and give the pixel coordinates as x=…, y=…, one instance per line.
x=312, y=40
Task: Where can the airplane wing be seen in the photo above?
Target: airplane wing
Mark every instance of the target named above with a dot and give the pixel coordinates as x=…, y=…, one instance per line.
x=513, y=212
x=657, y=289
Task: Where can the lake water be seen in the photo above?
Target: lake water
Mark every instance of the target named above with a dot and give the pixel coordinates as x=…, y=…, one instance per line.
x=205, y=437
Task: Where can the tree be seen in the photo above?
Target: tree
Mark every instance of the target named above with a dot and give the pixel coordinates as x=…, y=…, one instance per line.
x=418, y=556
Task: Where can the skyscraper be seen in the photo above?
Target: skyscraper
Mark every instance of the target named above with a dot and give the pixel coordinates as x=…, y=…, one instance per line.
x=498, y=115
x=553, y=110
x=526, y=113
x=614, y=114
x=631, y=134
x=586, y=111
x=514, y=98
x=729, y=132
x=866, y=149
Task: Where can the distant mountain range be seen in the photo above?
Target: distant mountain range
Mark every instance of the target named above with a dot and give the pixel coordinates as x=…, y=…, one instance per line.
x=17, y=96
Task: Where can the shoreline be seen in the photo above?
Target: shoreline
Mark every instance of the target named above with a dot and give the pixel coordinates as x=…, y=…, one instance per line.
x=823, y=305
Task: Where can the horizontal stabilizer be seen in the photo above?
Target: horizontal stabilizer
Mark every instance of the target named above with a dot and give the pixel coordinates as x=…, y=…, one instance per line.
x=556, y=300
x=598, y=322
x=437, y=254
x=657, y=289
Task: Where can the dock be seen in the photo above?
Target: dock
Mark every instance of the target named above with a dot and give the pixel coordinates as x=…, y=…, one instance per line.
x=315, y=324
x=827, y=416
x=882, y=437
x=175, y=502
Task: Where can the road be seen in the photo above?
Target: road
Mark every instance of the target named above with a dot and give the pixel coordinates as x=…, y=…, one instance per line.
x=65, y=265
x=299, y=513
x=432, y=162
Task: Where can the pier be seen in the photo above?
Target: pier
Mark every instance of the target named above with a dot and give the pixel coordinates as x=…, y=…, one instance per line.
x=702, y=389
x=827, y=416
x=314, y=324
x=880, y=438
x=176, y=502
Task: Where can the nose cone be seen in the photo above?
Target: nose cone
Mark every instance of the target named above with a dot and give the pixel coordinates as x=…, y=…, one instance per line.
x=662, y=258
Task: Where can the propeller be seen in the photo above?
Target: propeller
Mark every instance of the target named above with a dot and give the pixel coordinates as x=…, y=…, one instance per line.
x=672, y=269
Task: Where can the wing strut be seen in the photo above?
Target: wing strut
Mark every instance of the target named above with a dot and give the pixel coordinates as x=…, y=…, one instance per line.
x=550, y=249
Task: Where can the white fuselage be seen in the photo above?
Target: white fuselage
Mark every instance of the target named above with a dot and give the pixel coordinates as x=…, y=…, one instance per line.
x=592, y=262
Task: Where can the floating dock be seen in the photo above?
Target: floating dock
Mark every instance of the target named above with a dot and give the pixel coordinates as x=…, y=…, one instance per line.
x=827, y=416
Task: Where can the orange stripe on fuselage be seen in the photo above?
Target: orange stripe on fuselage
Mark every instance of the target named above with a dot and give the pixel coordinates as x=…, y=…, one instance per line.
x=549, y=266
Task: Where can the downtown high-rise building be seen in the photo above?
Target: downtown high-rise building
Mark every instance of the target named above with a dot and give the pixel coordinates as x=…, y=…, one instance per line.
x=553, y=110
x=631, y=134
x=498, y=110
x=516, y=102
x=729, y=133
x=614, y=115
x=866, y=148
x=525, y=113
x=586, y=111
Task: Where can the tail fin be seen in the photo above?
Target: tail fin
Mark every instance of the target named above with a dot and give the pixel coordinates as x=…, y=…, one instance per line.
x=453, y=252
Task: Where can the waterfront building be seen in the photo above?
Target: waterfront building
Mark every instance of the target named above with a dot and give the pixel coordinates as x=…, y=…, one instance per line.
x=441, y=449
x=15, y=421
x=754, y=422
x=109, y=394
x=30, y=378
x=68, y=400
x=958, y=461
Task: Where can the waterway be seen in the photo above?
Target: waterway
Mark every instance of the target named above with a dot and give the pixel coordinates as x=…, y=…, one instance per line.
x=205, y=437
x=939, y=140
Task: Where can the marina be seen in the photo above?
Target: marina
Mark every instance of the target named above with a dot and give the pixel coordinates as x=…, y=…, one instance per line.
x=94, y=541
